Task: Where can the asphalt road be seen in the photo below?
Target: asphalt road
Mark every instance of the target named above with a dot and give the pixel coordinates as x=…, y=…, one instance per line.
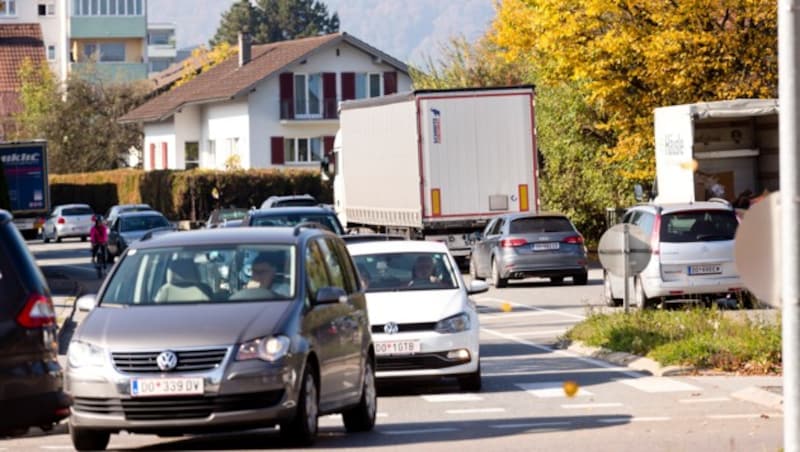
x=522, y=406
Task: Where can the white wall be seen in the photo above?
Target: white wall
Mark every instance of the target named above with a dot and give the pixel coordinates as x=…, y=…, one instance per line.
x=188, y=127
x=222, y=122
x=158, y=133
x=265, y=101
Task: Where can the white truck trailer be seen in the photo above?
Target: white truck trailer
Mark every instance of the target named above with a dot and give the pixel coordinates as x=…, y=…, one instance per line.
x=436, y=164
x=716, y=149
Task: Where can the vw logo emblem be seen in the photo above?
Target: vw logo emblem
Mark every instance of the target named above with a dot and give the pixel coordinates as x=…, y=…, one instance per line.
x=167, y=361
x=391, y=328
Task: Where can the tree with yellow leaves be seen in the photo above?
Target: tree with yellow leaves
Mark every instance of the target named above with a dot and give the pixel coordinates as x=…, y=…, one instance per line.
x=203, y=59
x=627, y=57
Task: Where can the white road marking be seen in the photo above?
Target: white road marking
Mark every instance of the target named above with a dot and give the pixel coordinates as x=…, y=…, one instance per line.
x=533, y=425
x=558, y=332
x=707, y=400
x=551, y=372
x=578, y=406
x=563, y=353
x=511, y=315
x=659, y=384
x=549, y=389
x=419, y=431
x=742, y=416
x=476, y=410
x=620, y=420
x=524, y=306
x=443, y=398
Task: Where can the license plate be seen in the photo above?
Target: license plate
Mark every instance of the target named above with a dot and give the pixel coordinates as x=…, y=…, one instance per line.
x=149, y=387
x=705, y=269
x=545, y=246
x=397, y=348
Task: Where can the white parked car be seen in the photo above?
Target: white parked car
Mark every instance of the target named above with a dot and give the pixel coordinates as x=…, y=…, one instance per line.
x=692, y=255
x=423, y=322
x=68, y=220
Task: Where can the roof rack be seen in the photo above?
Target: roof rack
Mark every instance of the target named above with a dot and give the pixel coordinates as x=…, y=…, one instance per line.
x=309, y=225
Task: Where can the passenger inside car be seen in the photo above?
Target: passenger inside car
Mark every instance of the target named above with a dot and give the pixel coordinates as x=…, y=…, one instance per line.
x=263, y=283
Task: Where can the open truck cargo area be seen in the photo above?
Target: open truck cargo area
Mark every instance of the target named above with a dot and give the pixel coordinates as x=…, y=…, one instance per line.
x=716, y=150
x=436, y=164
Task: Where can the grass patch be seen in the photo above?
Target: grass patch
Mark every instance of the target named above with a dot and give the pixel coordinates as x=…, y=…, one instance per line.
x=701, y=338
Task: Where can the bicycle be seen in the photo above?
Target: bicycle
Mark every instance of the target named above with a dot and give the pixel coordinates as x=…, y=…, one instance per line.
x=101, y=260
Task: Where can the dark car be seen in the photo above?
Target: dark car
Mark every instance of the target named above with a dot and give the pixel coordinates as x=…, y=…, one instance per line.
x=292, y=216
x=517, y=246
x=115, y=210
x=224, y=329
x=220, y=217
x=132, y=226
x=30, y=376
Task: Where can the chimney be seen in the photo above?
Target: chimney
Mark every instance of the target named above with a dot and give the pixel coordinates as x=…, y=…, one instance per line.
x=244, y=49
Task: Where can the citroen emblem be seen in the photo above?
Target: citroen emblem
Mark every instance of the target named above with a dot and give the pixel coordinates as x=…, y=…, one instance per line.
x=167, y=361
x=391, y=328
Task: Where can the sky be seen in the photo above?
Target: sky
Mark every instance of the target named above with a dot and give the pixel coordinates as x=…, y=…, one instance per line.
x=409, y=30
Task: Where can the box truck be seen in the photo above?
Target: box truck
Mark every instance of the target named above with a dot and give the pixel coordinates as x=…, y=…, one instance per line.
x=722, y=149
x=25, y=168
x=436, y=164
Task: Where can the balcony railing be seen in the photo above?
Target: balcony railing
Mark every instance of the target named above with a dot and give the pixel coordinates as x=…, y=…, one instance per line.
x=330, y=109
x=111, y=72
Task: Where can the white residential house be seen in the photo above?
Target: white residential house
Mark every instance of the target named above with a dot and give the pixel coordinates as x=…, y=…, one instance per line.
x=272, y=105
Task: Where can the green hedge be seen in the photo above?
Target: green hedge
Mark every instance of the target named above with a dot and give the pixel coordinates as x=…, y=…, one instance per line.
x=185, y=195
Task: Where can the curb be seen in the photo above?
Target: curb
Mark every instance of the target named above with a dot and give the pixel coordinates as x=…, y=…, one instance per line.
x=634, y=362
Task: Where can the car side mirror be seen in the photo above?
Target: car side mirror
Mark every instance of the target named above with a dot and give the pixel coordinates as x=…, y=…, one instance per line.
x=476, y=287
x=330, y=295
x=86, y=303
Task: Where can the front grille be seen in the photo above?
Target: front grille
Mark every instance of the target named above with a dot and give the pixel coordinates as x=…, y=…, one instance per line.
x=158, y=408
x=407, y=327
x=416, y=362
x=188, y=361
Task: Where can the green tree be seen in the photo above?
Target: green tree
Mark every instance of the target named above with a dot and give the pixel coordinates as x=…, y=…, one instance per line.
x=79, y=121
x=275, y=20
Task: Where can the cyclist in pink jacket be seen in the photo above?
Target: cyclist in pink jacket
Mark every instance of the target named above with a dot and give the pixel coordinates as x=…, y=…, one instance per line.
x=98, y=236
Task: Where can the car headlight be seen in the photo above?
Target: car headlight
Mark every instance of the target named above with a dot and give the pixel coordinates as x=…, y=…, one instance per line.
x=82, y=354
x=268, y=349
x=454, y=324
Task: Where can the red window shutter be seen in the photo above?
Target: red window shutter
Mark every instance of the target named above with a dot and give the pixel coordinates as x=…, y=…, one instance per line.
x=277, y=150
x=163, y=155
x=329, y=95
x=348, y=85
x=327, y=148
x=287, y=95
x=389, y=82
x=152, y=156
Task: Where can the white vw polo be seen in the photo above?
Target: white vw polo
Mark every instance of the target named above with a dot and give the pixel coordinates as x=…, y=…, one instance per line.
x=423, y=322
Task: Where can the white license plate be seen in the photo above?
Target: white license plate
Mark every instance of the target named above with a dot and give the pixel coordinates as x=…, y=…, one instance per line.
x=545, y=246
x=149, y=387
x=397, y=348
x=705, y=269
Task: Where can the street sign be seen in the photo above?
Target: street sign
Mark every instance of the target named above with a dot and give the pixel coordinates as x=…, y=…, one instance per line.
x=757, y=250
x=619, y=258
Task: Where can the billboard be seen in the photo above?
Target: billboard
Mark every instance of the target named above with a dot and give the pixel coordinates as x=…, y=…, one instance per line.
x=25, y=167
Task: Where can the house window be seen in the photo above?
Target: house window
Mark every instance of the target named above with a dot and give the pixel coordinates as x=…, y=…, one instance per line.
x=51, y=53
x=192, y=151
x=302, y=150
x=211, y=154
x=368, y=85
x=158, y=65
x=103, y=7
x=308, y=95
x=105, y=52
x=8, y=8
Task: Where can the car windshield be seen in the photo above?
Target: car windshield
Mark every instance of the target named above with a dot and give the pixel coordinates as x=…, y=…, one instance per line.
x=293, y=219
x=698, y=226
x=227, y=215
x=75, y=211
x=540, y=224
x=142, y=223
x=295, y=203
x=393, y=272
x=207, y=274
x=134, y=209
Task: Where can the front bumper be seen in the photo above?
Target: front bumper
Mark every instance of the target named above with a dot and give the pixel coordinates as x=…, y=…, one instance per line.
x=431, y=361
x=237, y=394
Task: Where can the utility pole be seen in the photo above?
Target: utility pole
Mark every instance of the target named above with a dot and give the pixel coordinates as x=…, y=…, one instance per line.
x=788, y=81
